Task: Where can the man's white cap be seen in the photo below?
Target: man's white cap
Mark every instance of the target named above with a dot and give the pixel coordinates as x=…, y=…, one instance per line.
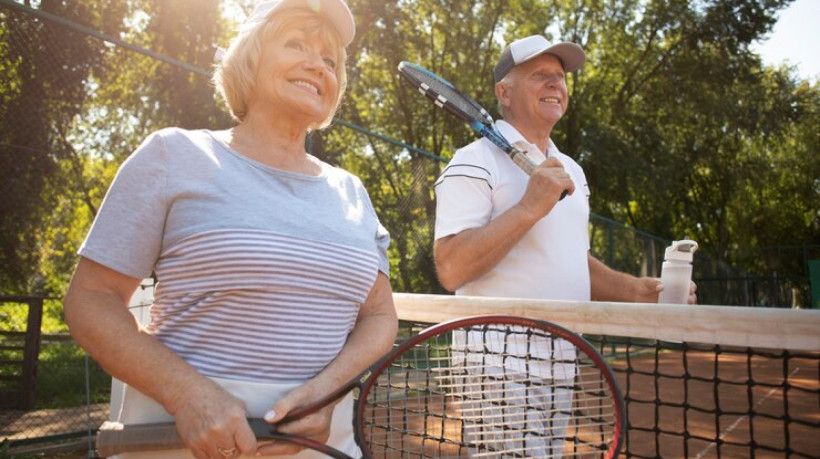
x=571, y=55
x=336, y=11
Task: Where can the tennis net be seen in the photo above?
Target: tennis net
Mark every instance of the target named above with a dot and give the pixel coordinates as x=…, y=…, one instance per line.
x=698, y=381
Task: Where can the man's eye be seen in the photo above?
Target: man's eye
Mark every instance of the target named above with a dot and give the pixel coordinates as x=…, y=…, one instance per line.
x=550, y=77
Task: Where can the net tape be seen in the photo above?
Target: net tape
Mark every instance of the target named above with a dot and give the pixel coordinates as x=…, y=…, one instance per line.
x=698, y=381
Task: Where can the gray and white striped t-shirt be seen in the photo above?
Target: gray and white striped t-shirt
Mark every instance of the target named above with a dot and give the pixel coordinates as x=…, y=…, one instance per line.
x=260, y=271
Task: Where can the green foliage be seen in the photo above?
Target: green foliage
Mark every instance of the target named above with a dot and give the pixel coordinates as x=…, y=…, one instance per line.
x=61, y=377
x=47, y=66
x=679, y=126
x=73, y=108
x=14, y=316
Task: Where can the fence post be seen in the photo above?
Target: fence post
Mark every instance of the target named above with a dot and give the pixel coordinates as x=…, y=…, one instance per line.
x=31, y=354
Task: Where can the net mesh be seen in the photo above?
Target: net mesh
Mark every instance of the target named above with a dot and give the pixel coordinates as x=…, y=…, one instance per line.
x=685, y=395
x=493, y=390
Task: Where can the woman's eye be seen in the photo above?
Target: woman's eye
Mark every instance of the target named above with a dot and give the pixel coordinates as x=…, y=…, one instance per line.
x=295, y=44
x=330, y=63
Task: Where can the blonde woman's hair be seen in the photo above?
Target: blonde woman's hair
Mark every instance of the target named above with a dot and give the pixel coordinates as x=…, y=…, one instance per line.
x=235, y=76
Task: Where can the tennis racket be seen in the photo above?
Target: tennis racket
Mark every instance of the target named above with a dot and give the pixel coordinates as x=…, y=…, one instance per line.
x=485, y=386
x=445, y=95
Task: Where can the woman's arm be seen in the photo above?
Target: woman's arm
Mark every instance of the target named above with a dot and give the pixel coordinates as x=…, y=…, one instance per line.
x=207, y=417
x=371, y=338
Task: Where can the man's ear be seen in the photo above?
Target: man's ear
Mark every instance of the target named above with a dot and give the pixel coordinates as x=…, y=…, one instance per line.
x=502, y=93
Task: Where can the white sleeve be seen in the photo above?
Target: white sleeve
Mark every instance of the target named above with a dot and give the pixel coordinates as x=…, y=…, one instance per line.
x=463, y=194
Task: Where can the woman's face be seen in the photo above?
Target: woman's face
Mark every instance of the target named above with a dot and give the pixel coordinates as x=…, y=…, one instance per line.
x=296, y=75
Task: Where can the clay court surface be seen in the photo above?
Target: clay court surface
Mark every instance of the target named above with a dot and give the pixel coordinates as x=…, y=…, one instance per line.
x=676, y=402
x=690, y=403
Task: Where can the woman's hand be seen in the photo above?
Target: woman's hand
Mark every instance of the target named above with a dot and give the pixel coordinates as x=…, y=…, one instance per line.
x=372, y=336
x=207, y=417
x=314, y=426
x=212, y=422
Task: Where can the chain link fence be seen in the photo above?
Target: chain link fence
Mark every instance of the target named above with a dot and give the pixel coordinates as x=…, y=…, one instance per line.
x=786, y=284
x=67, y=394
x=46, y=155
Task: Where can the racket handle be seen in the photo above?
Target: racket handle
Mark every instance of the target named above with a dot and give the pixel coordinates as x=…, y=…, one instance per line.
x=115, y=438
x=527, y=165
x=522, y=160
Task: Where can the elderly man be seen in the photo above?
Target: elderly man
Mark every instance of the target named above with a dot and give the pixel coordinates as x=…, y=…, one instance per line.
x=501, y=233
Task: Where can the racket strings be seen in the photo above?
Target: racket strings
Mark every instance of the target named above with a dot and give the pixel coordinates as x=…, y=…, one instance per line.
x=493, y=392
x=443, y=94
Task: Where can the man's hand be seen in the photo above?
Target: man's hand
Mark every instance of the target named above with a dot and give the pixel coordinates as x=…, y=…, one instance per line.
x=546, y=185
x=649, y=288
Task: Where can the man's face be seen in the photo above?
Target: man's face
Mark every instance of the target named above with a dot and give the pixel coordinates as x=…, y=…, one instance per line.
x=536, y=91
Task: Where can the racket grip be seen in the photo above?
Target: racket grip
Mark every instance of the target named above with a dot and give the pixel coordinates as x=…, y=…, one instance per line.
x=523, y=161
x=527, y=165
x=114, y=438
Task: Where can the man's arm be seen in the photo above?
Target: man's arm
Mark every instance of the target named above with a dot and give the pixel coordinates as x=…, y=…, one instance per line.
x=466, y=256
x=610, y=285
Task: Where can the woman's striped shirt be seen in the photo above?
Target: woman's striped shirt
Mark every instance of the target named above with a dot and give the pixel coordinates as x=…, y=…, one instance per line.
x=260, y=271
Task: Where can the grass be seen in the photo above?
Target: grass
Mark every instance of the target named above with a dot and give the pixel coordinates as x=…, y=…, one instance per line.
x=6, y=453
x=61, y=377
x=61, y=370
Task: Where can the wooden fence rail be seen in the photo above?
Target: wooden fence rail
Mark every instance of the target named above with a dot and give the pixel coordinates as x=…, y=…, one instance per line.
x=18, y=373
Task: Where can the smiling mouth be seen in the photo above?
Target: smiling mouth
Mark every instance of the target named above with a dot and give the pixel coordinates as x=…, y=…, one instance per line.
x=309, y=87
x=551, y=100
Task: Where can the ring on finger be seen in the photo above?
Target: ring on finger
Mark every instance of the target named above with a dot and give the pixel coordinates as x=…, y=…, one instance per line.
x=226, y=453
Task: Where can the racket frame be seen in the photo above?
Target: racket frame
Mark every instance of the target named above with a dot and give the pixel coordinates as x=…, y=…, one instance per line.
x=370, y=377
x=483, y=125
x=366, y=380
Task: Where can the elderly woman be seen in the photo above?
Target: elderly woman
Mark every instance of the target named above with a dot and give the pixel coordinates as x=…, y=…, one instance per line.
x=271, y=264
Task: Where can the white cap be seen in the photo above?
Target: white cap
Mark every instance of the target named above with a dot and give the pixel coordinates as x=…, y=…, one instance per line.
x=571, y=55
x=336, y=11
x=683, y=250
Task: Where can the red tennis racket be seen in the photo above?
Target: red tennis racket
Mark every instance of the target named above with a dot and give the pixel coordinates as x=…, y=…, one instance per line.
x=486, y=386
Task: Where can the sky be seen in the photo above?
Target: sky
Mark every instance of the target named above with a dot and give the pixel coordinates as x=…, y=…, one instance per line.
x=795, y=39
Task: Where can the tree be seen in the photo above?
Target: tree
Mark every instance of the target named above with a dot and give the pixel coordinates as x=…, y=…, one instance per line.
x=679, y=126
x=46, y=67
x=665, y=117
x=401, y=182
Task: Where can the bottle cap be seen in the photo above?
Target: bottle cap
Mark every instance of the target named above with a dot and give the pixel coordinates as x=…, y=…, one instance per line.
x=683, y=250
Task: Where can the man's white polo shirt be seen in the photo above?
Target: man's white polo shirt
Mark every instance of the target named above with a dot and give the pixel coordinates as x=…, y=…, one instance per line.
x=550, y=261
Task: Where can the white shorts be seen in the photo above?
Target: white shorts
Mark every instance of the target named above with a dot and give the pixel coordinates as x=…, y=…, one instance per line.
x=258, y=398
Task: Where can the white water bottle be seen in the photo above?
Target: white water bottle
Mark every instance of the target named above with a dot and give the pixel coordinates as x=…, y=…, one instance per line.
x=676, y=272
